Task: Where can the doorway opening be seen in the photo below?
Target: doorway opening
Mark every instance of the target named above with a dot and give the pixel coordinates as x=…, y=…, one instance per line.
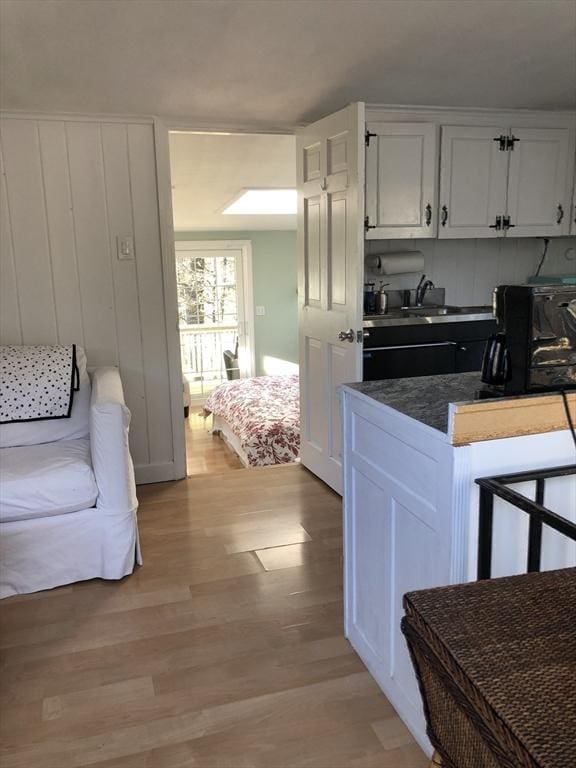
x=233, y=201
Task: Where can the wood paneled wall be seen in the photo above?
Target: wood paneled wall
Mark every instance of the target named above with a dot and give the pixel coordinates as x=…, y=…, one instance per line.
x=470, y=269
x=69, y=188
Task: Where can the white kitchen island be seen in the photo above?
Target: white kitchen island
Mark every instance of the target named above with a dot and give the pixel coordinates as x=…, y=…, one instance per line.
x=411, y=507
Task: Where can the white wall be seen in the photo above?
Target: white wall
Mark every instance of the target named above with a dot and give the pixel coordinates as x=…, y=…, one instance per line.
x=68, y=189
x=470, y=269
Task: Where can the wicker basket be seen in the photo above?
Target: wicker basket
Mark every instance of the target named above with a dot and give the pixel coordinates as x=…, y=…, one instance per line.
x=496, y=664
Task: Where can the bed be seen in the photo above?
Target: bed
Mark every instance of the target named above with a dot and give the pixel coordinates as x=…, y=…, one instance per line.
x=259, y=418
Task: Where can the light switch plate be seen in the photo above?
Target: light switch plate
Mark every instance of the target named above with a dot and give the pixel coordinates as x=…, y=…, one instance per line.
x=125, y=247
x=260, y=310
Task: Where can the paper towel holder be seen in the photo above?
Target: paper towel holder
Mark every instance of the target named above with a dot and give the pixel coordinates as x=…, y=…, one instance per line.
x=396, y=262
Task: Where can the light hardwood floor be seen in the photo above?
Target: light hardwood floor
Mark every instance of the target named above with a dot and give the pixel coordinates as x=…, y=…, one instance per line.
x=206, y=453
x=225, y=650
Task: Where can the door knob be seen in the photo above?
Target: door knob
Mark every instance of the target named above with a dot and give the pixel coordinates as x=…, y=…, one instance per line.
x=347, y=335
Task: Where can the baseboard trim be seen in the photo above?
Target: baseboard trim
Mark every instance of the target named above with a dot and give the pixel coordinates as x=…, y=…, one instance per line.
x=155, y=473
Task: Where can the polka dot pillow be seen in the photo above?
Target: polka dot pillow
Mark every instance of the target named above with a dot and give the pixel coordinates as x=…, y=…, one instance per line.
x=37, y=382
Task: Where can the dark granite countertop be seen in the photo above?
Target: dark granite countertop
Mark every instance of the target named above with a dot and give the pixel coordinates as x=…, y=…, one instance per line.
x=424, y=398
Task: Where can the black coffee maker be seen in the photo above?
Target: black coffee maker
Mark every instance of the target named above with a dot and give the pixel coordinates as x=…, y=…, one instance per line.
x=534, y=348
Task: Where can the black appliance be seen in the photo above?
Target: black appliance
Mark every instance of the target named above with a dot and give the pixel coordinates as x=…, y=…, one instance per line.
x=397, y=351
x=534, y=349
x=369, y=299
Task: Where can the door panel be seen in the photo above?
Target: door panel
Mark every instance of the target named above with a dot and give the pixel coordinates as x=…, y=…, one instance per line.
x=312, y=426
x=312, y=259
x=336, y=155
x=339, y=373
x=473, y=173
x=369, y=552
x=337, y=240
x=538, y=185
x=401, y=168
x=311, y=157
x=330, y=173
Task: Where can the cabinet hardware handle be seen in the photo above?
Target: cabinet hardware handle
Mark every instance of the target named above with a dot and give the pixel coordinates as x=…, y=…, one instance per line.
x=444, y=217
x=502, y=142
x=560, y=214
x=497, y=225
x=428, y=215
x=506, y=223
x=413, y=346
x=367, y=224
x=347, y=335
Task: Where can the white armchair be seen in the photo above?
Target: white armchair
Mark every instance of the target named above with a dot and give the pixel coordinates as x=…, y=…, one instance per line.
x=68, y=507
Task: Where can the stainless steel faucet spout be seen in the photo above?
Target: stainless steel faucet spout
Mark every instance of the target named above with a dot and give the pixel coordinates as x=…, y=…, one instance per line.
x=423, y=286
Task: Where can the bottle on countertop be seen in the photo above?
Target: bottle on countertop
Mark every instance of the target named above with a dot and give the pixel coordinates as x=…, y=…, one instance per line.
x=381, y=300
x=369, y=299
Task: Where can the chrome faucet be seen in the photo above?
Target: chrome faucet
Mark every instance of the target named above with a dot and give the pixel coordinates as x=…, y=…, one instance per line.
x=423, y=286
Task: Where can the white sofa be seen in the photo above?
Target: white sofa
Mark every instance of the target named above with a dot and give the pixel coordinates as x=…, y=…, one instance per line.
x=67, y=493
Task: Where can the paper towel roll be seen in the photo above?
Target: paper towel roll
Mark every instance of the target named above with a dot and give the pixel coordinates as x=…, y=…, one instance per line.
x=397, y=262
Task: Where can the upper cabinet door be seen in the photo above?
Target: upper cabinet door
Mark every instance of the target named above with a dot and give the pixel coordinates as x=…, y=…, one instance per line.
x=473, y=174
x=401, y=163
x=539, y=183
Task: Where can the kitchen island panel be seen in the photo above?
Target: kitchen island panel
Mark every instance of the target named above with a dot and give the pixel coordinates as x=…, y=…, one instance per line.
x=411, y=522
x=398, y=498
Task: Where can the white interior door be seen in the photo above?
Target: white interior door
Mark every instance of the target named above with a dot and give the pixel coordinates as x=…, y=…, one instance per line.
x=330, y=179
x=401, y=162
x=538, y=185
x=473, y=174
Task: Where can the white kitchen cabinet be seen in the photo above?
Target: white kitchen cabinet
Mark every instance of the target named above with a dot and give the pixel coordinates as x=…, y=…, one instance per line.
x=539, y=182
x=498, y=181
x=401, y=174
x=473, y=176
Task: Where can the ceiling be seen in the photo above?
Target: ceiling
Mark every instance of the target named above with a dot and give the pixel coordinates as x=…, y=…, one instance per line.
x=278, y=63
x=209, y=170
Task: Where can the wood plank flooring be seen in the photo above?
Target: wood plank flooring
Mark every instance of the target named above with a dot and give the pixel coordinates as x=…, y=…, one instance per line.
x=206, y=453
x=225, y=650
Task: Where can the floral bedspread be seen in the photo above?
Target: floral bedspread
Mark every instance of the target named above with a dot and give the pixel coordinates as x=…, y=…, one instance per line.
x=264, y=413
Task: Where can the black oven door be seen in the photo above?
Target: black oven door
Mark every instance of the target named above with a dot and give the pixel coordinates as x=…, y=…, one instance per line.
x=410, y=360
